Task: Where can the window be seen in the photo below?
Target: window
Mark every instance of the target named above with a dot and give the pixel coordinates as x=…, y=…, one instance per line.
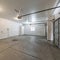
x=32, y=28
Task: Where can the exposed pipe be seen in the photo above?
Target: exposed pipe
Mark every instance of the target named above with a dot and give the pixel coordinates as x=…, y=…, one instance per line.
x=38, y=12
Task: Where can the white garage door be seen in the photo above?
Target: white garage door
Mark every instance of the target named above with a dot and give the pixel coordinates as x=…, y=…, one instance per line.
x=37, y=29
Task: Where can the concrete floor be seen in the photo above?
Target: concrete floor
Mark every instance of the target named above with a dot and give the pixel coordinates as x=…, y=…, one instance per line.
x=27, y=48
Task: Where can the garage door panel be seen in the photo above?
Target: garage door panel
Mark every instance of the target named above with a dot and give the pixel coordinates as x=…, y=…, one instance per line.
x=38, y=29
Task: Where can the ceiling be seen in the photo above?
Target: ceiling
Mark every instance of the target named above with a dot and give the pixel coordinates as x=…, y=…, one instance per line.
x=27, y=6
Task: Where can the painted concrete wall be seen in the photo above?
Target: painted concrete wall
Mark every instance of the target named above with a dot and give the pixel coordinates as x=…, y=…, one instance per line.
x=8, y=28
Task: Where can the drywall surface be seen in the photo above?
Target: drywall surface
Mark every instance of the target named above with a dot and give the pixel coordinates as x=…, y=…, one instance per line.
x=8, y=28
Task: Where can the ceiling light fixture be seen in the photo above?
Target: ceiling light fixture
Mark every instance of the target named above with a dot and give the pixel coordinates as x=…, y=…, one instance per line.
x=19, y=12
x=16, y=18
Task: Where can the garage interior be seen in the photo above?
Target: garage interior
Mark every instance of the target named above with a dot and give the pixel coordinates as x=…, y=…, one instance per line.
x=29, y=29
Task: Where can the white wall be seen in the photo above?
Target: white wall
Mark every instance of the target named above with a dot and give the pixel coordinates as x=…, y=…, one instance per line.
x=8, y=28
